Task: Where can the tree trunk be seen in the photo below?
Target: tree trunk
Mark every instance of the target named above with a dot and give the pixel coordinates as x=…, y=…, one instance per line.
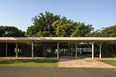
x=44, y=49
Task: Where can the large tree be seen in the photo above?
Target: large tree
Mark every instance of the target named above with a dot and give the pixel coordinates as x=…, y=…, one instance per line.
x=42, y=25
x=42, y=28
x=62, y=28
x=105, y=32
x=10, y=31
x=82, y=30
x=50, y=25
x=109, y=31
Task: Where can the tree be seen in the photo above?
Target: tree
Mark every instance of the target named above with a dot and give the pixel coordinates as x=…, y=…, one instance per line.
x=62, y=28
x=109, y=31
x=49, y=25
x=82, y=30
x=110, y=47
x=1, y=31
x=10, y=31
x=105, y=32
x=42, y=25
x=42, y=28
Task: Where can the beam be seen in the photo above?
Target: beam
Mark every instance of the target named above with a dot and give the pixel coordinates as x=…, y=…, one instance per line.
x=16, y=49
x=57, y=50
x=6, y=48
x=92, y=50
x=32, y=50
x=100, y=50
x=76, y=50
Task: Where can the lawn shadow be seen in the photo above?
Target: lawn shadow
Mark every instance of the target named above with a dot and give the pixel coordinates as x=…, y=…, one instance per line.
x=68, y=58
x=27, y=61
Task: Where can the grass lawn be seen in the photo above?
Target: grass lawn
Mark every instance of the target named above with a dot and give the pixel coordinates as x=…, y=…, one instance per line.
x=28, y=63
x=111, y=62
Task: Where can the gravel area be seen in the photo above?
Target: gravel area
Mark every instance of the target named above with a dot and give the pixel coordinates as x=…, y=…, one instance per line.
x=84, y=63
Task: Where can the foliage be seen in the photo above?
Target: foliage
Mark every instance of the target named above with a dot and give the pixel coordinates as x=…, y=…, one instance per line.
x=105, y=32
x=108, y=49
x=62, y=29
x=109, y=31
x=10, y=31
x=42, y=25
x=26, y=49
x=82, y=30
x=49, y=25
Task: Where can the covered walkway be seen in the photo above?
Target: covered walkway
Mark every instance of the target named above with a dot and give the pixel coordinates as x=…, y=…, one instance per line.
x=76, y=40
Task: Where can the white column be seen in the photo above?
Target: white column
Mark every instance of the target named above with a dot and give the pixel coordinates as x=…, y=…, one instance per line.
x=16, y=49
x=57, y=50
x=100, y=50
x=81, y=50
x=6, y=48
x=92, y=50
x=75, y=49
x=32, y=50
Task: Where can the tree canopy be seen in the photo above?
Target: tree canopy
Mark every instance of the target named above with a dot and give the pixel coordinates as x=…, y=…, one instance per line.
x=10, y=31
x=50, y=25
x=105, y=32
x=42, y=25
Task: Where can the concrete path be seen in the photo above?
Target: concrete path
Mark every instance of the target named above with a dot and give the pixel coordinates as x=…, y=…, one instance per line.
x=83, y=62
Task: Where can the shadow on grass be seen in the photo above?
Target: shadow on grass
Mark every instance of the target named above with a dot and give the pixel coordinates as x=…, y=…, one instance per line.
x=26, y=61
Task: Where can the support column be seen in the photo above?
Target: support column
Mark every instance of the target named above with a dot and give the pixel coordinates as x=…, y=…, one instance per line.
x=32, y=50
x=16, y=49
x=57, y=50
x=100, y=50
x=6, y=48
x=92, y=50
x=76, y=50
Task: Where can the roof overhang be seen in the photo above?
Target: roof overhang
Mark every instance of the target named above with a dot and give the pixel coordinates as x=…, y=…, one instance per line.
x=58, y=39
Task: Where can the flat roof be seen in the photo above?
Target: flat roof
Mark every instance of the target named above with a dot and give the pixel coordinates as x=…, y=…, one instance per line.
x=58, y=39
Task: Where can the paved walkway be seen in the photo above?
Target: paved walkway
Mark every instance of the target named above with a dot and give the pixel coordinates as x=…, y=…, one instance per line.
x=84, y=63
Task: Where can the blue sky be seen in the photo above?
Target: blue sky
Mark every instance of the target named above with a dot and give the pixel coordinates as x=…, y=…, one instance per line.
x=19, y=13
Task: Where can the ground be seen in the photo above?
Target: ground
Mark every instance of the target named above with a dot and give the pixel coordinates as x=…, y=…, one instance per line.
x=71, y=61
x=75, y=67
x=56, y=72
x=83, y=62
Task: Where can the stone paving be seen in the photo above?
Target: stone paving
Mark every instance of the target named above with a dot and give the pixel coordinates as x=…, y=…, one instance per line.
x=83, y=62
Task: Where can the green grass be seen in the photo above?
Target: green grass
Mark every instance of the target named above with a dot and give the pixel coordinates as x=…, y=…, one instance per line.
x=28, y=63
x=111, y=62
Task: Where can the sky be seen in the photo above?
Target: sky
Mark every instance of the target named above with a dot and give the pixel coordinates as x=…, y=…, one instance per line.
x=19, y=13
